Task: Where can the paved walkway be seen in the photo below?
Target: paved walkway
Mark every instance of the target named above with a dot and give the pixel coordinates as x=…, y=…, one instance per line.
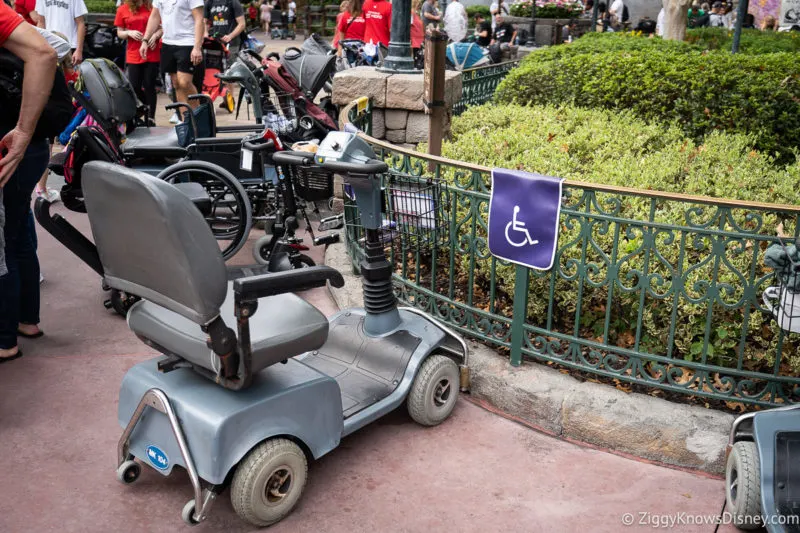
x=476, y=472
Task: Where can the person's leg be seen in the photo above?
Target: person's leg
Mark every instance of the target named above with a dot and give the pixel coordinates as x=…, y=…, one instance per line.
x=188, y=75
x=19, y=288
x=150, y=76
x=136, y=77
x=51, y=195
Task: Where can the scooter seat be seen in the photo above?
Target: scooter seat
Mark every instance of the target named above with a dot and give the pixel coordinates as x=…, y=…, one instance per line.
x=153, y=142
x=284, y=326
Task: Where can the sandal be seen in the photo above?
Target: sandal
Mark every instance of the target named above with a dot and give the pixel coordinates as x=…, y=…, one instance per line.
x=11, y=357
x=29, y=335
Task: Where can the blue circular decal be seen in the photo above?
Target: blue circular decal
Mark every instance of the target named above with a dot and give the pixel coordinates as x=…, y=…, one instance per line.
x=157, y=457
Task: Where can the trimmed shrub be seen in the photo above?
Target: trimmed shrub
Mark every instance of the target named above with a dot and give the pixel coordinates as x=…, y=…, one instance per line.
x=701, y=92
x=617, y=148
x=474, y=10
x=101, y=6
x=751, y=42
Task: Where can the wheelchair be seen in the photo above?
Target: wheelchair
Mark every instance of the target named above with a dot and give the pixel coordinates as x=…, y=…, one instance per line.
x=254, y=381
x=207, y=169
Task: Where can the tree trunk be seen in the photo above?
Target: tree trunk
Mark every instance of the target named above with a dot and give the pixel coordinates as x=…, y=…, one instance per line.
x=676, y=16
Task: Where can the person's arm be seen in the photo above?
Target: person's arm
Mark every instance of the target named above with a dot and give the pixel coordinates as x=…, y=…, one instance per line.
x=513, y=37
x=40, y=66
x=238, y=13
x=77, y=55
x=153, y=24
x=199, y=31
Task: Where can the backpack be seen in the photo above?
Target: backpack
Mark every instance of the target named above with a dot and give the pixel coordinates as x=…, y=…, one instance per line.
x=57, y=112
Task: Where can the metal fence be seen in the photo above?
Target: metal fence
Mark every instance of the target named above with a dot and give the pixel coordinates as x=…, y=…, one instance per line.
x=478, y=84
x=653, y=289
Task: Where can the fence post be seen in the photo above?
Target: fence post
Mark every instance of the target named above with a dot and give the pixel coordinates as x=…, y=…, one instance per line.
x=433, y=98
x=521, y=277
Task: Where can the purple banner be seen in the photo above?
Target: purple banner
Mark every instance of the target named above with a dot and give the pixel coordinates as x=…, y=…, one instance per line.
x=523, y=217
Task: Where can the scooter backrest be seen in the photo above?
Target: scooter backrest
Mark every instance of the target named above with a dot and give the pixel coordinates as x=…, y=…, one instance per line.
x=153, y=242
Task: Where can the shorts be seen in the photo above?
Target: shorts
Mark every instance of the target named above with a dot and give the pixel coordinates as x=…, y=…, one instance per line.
x=177, y=59
x=291, y=19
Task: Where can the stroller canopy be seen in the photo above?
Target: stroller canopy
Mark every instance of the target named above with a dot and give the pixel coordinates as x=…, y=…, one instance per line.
x=466, y=55
x=310, y=70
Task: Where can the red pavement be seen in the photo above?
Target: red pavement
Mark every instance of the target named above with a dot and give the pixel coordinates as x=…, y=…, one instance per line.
x=476, y=472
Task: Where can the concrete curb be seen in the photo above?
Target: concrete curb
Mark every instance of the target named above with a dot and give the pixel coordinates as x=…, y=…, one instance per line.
x=635, y=424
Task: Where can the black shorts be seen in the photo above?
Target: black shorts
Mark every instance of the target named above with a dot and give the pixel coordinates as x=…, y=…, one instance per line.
x=178, y=59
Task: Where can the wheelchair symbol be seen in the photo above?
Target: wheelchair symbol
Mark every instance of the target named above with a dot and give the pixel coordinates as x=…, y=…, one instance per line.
x=517, y=226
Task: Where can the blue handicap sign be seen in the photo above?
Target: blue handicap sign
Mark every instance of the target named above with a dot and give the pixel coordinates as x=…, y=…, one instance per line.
x=523, y=217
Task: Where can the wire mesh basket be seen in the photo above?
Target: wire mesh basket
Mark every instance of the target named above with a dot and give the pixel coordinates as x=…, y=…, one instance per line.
x=415, y=213
x=310, y=182
x=280, y=111
x=782, y=299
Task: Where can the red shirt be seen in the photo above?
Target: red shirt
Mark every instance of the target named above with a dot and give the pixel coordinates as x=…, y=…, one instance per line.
x=417, y=33
x=136, y=22
x=24, y=7
x=9, y=20
x=378, y=17
x=354, y=29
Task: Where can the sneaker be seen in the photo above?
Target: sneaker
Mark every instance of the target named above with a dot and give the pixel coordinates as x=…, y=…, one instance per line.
x=175, y=119
x=51, y=195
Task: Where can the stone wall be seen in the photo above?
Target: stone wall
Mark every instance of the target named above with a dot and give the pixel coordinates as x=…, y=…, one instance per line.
x=398, y=112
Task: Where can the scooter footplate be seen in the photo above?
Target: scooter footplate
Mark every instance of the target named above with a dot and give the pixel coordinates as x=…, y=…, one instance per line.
x=367, y=369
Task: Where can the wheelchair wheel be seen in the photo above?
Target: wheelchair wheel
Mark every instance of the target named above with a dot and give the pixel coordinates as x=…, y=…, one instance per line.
x=230, y=217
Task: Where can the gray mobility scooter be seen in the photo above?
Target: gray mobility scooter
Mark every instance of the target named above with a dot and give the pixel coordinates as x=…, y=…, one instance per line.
x=255, y=381
x=762, y=472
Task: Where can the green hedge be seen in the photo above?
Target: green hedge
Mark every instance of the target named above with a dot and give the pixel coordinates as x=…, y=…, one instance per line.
x=617, y=148
x=667, y=82
x=752, y=41
x=474, y=10
x=101, y=6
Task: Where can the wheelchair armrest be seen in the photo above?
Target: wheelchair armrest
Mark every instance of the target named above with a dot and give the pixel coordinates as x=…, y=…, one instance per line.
x=190, y=114
x=202, y=98
x=253, y=288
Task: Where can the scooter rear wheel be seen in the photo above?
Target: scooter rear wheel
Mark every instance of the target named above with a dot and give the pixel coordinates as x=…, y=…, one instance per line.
x=269, y=481
x=434, y=391
x=743, y=485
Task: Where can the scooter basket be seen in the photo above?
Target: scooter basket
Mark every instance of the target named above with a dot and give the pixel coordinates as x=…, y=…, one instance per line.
x=312, y=183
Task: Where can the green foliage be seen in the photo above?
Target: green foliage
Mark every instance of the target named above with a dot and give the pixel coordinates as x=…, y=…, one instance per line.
x=474, y=10
x=101, y=6
x=559, y=9
x=666, y=82
x=616, y=148
x=751, y=42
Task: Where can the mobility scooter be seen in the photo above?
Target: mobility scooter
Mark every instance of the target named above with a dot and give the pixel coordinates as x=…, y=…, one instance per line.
x=762, y=473
x=255, y=381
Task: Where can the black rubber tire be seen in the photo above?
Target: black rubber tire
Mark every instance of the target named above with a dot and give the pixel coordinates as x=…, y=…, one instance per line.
x=743, y=486
x=237, y=236
x=302, y=261
x=249, y=496
x=434, y=392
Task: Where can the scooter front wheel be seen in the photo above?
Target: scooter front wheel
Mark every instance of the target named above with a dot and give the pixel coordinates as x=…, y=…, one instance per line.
x=434, y=391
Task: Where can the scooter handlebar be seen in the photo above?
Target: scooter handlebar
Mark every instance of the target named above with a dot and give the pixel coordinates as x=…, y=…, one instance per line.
x=371, y=166
x=293, y=157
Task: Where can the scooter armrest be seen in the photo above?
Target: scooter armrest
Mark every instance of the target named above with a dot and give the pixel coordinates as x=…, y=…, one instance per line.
x=255, y=287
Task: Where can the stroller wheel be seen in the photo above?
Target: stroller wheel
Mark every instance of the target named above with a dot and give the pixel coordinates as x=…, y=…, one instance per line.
x=230, y=103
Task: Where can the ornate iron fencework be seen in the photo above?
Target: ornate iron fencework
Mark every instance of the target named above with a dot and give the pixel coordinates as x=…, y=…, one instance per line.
x=648, y=288
x=478, y=84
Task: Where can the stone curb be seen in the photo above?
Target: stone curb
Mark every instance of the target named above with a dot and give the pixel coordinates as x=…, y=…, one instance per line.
x=658, y=430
